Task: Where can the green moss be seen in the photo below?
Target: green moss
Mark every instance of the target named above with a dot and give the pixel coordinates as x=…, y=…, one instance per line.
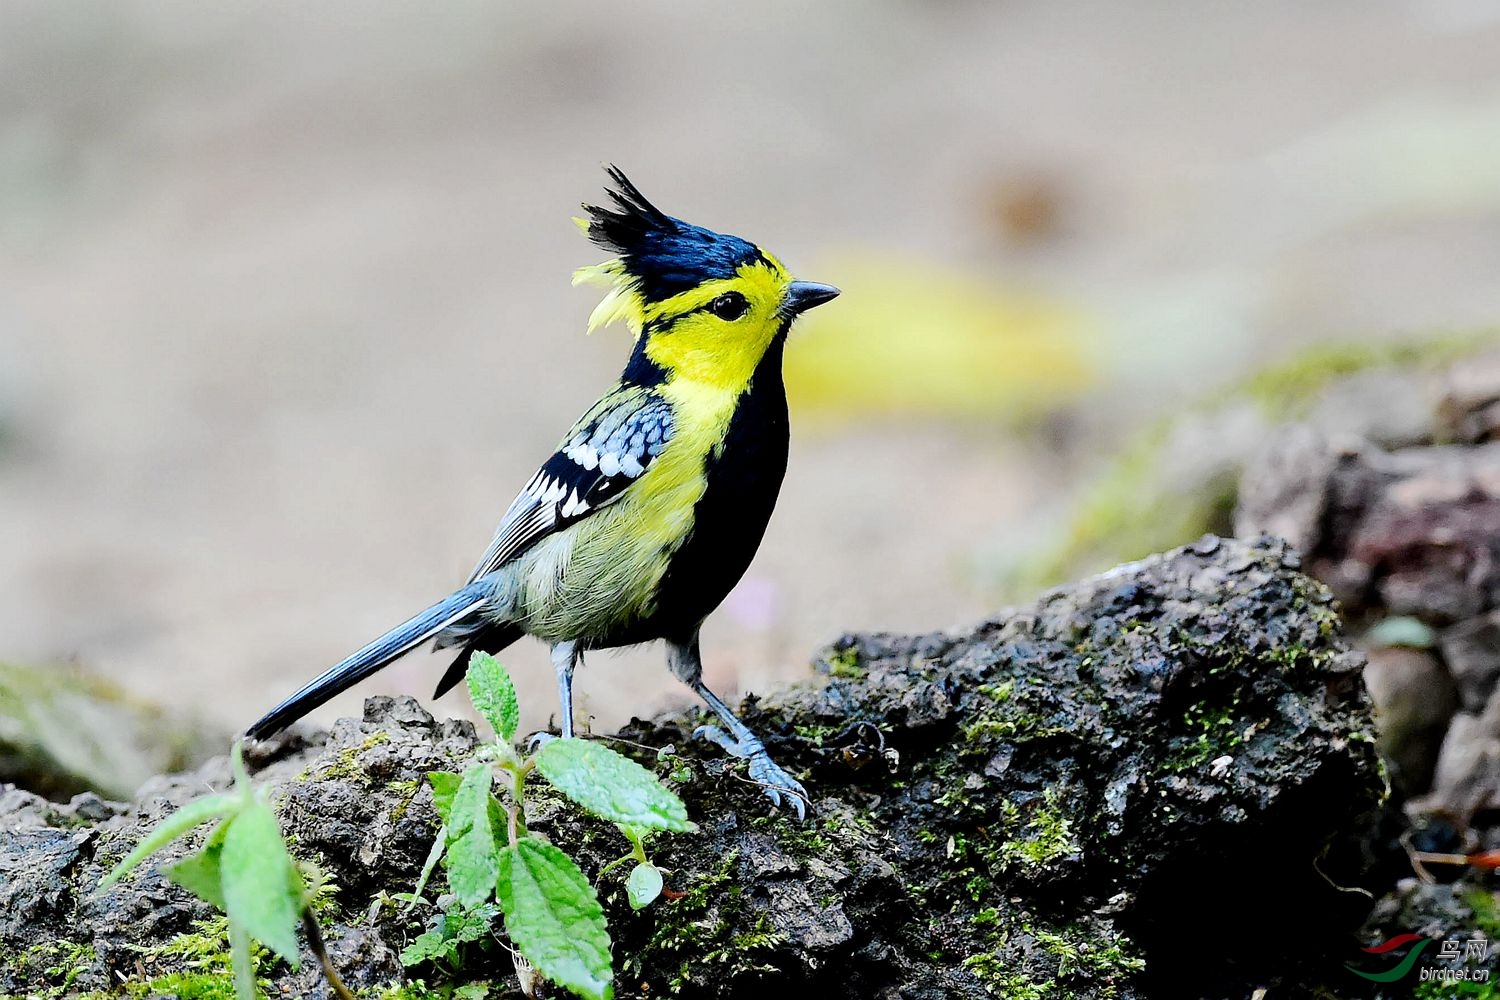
x=741, y=954
x=185, y=986
x=407, y=791
x=416, y=990
x=1065, y=959
x=845, y=663
x=201, y=957
x=1004, y=715
x=1046, y=834
x=817, y=734
x=1211, y=733
x=195, y=965
x=51, y=969
x=1486, y=912
x=346, y=766
x=1435, y=990
x=694, y=940
x=203, y=947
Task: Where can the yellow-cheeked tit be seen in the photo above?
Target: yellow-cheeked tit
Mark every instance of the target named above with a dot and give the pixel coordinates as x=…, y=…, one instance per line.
x=656, y=500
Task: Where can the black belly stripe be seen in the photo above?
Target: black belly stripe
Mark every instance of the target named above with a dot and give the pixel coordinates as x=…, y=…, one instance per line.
x=730, y=518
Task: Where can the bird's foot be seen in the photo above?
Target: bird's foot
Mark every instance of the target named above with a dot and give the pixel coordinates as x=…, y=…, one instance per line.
x=764, y=771
x=535, y=741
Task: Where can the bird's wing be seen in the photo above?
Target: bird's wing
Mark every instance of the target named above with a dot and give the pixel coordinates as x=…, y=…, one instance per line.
x=608, y=449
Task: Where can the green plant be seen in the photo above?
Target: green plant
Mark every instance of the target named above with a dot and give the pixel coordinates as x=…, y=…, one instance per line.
x=244, y=869
x=552, y=914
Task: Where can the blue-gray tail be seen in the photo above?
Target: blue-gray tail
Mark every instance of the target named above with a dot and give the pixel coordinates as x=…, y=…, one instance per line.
x=356, y=667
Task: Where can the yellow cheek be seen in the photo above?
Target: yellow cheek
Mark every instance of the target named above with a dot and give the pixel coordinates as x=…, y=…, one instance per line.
x=723, y=355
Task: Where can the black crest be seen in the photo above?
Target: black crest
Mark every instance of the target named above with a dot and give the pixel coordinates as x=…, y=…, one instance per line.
x=664, y=255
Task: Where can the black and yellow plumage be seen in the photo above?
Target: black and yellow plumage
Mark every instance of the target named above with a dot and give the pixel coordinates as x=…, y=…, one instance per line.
x=655, y=502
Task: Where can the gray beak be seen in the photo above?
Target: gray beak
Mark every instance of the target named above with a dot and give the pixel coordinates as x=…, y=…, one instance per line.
x=803, y=295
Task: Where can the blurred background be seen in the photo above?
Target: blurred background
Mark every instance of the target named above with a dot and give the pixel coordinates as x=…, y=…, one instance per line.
x=285, y=313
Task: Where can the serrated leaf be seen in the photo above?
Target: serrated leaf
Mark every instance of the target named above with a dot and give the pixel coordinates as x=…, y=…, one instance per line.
x=494, y=695
x=553, y=916
x=611, y=786
x=428, y=946
x=444, y=785
x=470, y=925
x=262, y=889
x=200, y=873
x=643, y=886
x=192, y=815
x=471, y=860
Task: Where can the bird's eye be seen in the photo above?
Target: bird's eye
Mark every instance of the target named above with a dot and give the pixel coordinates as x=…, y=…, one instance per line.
x=729, y=306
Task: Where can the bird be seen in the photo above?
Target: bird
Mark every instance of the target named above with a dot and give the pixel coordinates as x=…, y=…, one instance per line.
x=653, y=504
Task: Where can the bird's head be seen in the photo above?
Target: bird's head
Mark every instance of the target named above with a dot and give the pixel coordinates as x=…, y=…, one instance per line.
x=702, y=305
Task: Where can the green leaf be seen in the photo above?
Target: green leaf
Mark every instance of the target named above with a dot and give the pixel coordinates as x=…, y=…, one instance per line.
x=610, y=786
x=472, y=991
x=643, y=886
x=434, y=855
x=470, y=925
x=471, y=860
x=457, y=927
x=553, y=916
x=194, y=814
x=494, y=695
x=262, y=889
x=444, y=786
x=429, y=946
x=200, y=873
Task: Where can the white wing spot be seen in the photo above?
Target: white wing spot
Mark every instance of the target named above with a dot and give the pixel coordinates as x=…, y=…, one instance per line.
x=575, y=505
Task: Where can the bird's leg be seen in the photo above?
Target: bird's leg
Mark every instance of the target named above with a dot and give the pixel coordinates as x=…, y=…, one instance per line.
x=564, y=658
x=687, y=664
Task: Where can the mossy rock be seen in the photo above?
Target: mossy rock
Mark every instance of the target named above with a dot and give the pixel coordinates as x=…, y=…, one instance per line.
x=64, y=732
x=1030, y=809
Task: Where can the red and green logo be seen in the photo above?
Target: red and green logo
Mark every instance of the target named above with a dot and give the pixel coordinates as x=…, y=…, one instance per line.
x=1406, y=964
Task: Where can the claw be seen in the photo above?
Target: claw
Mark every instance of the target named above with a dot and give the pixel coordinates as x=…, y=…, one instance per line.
x=775, y=783
x=764, y=771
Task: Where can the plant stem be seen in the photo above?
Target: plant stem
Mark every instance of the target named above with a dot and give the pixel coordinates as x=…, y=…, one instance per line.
x=240, y=958
x=315, y=942
x=514, y=811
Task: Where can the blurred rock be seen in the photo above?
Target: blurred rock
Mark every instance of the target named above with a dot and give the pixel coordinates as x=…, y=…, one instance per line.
x=62, y=733
x=1414, y=699
x=1259, y=455
x=1470, y=405
x=1398, y=511
x=1408, y=532
x=1471, y=652
x=1289, y=494
x=1467, y=777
